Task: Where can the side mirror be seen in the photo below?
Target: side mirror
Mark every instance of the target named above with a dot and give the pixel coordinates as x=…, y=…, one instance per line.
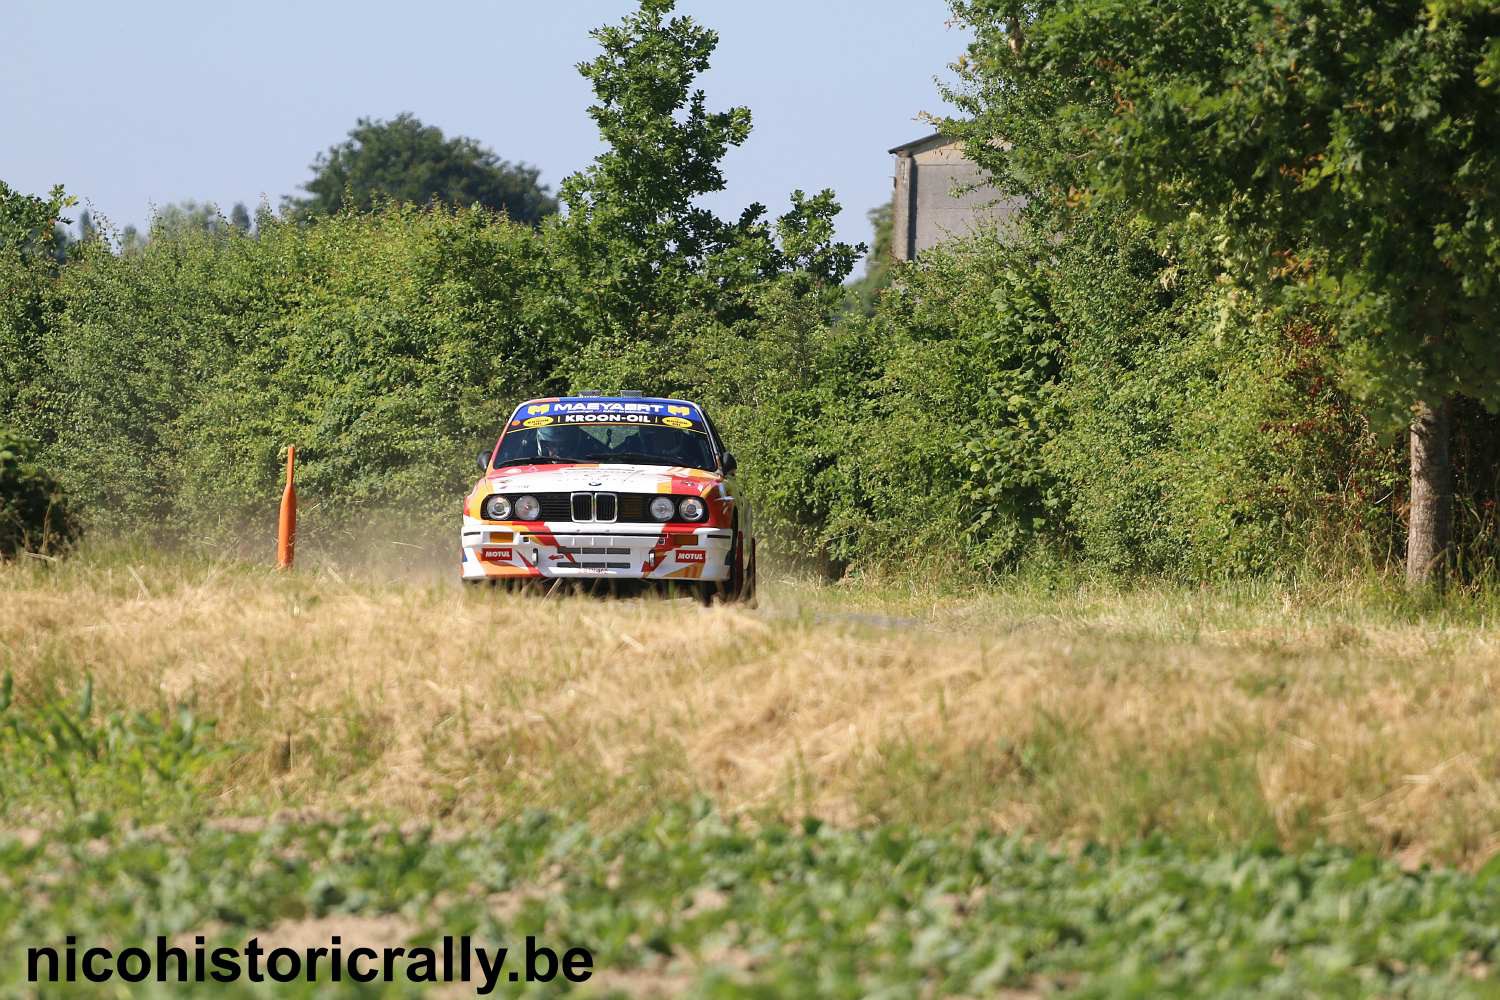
x=730, y=463
x=484, y=461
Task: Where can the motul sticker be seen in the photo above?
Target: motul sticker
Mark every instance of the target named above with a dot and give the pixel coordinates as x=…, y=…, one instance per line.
x=690, y=555
x=495, y=554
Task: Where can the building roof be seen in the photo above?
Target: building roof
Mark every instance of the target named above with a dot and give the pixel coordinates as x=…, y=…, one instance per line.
x=926, y=142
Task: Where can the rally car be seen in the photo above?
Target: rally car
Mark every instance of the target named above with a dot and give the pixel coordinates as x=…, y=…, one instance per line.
x=610, y=489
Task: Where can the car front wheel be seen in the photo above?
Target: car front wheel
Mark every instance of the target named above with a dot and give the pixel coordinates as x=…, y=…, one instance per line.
x=740, y=587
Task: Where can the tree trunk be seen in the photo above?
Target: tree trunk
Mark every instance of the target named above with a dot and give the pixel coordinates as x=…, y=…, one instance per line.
x=1430, y=530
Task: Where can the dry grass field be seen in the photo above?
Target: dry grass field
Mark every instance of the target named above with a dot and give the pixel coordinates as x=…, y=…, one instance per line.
x=1067, y=712
x=1055, y=786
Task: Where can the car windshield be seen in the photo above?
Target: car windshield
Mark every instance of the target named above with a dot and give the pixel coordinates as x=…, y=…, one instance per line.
x=622, y=443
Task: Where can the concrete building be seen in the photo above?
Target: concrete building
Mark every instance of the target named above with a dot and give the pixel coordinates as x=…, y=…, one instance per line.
x=933, y=200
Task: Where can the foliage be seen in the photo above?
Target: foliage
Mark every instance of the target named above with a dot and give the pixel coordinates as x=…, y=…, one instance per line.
x=178, y=217
x=1336, y=152
x=723, y=908
x=964, y=399
x=735, y=314
x=384, y=345
x=1088, y=395
x=1082, y=393
x=29, y=305
x=865, y=291
x=28, y=223
x=647, y=261
x=239, y=217
x=34, y=516
x=405, y=161
x=60, y=753
x=389, y=344
x=1094, y=385
x=660, y=291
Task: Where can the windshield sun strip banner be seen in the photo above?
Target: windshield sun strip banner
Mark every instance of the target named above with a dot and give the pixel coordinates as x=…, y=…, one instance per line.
x=608, y=420
x=608, y=412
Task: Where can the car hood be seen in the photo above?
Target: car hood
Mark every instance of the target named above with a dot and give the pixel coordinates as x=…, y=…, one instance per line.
x=616, y=478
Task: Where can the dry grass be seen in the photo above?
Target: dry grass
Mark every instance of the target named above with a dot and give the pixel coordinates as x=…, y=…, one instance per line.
x=1082, y=714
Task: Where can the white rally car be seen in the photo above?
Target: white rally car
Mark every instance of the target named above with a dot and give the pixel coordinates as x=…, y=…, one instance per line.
x=610, y=488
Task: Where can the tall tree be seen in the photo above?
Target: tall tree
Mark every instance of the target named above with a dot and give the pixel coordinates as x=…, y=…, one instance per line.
x=646, y=249
x=865, y=292
x=405, y=160
x=239, y=217
x=1335, y=151
x=132, y=240
x=176, y=218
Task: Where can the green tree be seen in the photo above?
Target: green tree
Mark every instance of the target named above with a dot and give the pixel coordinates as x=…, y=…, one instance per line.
x=667, y=295
x=404, y=160
x=29, y=225
x=1333, y=152
x=643, y=250
x=187, y=216
x=865, y=292
x=132, y=240
x=31, y=250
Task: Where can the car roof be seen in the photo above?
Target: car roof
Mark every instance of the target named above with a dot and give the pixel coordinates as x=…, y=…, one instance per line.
x=593, y=398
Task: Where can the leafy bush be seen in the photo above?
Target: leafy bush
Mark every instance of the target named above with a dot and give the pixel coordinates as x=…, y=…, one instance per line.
x=34, y=517
x=1202, y=437
x=1087, y=394
x=1082, y=393
x=61, y=752
x=383, y=345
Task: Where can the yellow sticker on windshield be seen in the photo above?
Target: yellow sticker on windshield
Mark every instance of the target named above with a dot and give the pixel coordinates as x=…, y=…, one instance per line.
x=536, y=422
x=676, y=422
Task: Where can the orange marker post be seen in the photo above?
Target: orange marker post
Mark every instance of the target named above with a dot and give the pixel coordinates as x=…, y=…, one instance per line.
x=286, y=531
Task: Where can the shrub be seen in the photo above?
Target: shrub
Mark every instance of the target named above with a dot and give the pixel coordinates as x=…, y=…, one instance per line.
x=384, y=345
x=33, y=514
x=1087, y=393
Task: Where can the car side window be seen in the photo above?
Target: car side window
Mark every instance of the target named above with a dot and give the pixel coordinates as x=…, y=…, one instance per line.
x=714, y=439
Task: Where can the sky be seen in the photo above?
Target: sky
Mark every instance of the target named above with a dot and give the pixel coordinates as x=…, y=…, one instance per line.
x=130, y=105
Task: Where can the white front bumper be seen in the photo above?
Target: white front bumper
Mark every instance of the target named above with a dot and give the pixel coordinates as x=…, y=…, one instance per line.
x=561, y=549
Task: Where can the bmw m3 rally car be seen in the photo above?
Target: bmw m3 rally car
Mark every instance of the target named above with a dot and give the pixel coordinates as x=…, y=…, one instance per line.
x=616, y=488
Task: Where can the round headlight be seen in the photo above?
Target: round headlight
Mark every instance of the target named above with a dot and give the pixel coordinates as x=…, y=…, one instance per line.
x=528, y=508
x=662, y=508
x=497, y=508
x=692, y=509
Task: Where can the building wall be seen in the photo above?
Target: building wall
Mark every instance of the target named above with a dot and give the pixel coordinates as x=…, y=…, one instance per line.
x=926, y=210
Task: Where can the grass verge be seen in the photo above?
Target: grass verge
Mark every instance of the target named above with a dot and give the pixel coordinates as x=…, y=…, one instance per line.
x=1055, y=786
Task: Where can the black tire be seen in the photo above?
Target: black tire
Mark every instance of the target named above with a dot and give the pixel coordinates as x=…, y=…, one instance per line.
x=747, y=591
x=740, y=587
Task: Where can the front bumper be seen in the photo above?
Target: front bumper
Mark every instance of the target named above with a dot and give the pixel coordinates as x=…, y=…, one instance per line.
x=567, y=550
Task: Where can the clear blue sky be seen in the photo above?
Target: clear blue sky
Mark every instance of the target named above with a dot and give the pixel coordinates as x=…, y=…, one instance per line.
x=135, y=104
